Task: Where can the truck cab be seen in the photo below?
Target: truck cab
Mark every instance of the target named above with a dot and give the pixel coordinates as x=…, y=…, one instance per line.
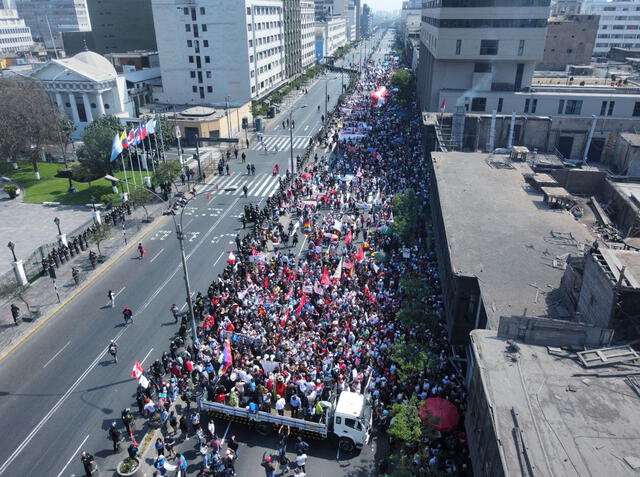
x=352, y=421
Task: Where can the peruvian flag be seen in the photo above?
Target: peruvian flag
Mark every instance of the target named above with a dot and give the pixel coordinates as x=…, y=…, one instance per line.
x=266, y=281
x=232, y=258
x=137, y=370
x=338, y=273
x=360, y=256
x=303, y=300
x=325, y=277
x=348, y=238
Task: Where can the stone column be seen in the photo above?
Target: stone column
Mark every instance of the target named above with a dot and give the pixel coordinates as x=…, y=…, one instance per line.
x=18, y=269
x=74, y=108
x=60, y=102
x=87, y=107
x=100, y=104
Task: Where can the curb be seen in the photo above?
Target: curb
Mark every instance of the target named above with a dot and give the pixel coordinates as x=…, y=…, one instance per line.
x=5, y=353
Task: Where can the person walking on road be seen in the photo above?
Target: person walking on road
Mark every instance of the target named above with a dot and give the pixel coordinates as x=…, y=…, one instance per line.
x=15, y=313
x=127, y=420
x=115, y=435
x=113, y=351
x=245, y=190
x=127, y=314
x=112, y=298
x=244, y=157
x=175, y=311
x=141, y=250
x=88, y=462
x=269, y=468
x=253, y=169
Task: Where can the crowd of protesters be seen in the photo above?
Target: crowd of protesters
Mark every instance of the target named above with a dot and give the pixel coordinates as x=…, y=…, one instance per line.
x=283, y=330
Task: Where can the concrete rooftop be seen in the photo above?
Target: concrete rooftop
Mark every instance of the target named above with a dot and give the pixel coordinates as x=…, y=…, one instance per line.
x=500, y=230
x=574, y=421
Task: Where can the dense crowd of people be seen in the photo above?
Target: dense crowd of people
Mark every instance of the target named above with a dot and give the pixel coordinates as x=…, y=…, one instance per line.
x=285, y=331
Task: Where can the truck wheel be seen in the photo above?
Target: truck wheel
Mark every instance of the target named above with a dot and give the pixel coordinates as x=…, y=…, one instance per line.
x=264, y=428
x=346, y=444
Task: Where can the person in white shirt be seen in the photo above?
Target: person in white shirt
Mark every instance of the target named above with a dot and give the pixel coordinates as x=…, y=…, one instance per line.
x=280, y=403
x=301, y=461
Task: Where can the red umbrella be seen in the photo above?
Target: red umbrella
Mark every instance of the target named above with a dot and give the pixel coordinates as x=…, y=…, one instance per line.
x=440, y=414
x=306, y=176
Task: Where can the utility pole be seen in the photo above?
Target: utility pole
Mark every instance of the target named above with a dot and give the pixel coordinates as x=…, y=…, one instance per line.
x=186, y=283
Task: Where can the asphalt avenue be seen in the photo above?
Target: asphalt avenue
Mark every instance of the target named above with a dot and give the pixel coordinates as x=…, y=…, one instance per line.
x=60, y=389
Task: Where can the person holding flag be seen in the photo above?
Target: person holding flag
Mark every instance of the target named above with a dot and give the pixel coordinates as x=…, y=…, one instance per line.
x=226, y=359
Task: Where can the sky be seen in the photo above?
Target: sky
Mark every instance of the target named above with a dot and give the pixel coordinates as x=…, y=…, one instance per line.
x=377, y=5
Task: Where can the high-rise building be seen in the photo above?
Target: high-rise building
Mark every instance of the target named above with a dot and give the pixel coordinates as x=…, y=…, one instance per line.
x=48, y=19
x=619, y=24
x=113, y=32
x=365, y=20
x=292, y=37
x=325, y=9
x=467, y=50
x=15, y=35
x=330, y=35
x=308, y=33
x=570, y=41
x=213, y=50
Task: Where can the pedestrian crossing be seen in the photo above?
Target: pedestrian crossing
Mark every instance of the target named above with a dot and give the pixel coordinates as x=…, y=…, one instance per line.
x=260, y=185
x=282, y=143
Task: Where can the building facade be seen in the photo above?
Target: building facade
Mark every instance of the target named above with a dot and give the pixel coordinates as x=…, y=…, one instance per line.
x=113, y=32
x=330, y=36
x=467, y=50
x=292, y=37
x=212, y=51
x=565, y=7
x=308, y=33
x=619, y=24
x=366, y=20
x=48, y=19
x=570, y=41
x=85, y=87
x=15, y=35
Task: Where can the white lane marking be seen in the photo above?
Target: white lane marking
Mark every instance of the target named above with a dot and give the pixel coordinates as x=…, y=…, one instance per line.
x=156, y=255
x=121, y=290
x=55, y=355
x=302, y=247
x=306, y=127
x=146, y=356
x=7, y=463
x=191, y=220
x=196, y=247
x=264, y=186
x=73, y=455
x=221, y=255
x=225, y=433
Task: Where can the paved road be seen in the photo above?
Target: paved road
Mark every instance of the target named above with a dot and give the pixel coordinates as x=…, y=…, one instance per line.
x=60, y=391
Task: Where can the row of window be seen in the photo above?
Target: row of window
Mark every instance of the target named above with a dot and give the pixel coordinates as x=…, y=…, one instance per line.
x=16, y=39
x=266, y=39
x=265, y=10
x=264, y=54
x=613, y=45
x=265, y=25
x=13, y=31
x=486, y=23
x=619, y=27
x=569, y=106
x=613, y=9
x=186, y=11
x=188, y=28
x=484, y=3
x=632, y=37
x=205, y=44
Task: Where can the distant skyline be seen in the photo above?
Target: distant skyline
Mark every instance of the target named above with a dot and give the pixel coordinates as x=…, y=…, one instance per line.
x=378, y=5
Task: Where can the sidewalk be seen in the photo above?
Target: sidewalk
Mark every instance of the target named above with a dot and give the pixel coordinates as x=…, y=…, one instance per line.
x=41, y=295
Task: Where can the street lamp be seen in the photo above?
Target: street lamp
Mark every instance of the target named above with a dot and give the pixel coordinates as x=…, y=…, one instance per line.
x=198, y=159
x=180, y=237
x=57, y=222
x=293, y=164
x=12, y=246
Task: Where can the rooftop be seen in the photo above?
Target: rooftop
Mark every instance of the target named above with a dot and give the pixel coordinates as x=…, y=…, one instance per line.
x=501, y=231
x=144, y=74
x=573, y=421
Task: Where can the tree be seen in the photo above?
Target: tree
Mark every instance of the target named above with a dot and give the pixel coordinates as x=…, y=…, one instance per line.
x=406, y=424
x=95, y=153
x=66, y=127
x=25, y=122
x=414, y=313
x=411, y=358
x=99, y=234
x=402, y=80
x=142, y=197
x=167, y=172
x=406, y=211
x=15, y=291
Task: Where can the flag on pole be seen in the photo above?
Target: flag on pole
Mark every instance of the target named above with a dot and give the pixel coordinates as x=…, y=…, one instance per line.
x=360, y=255
x=348, y=238
x=143, y=131
x=123, y=140
x=177, y=129
x=151, y=126
x=338, y=273
x=443, y=105
x=136, y=136
x=232, y=258
x=325, y=277
x=137, y=370
x=225, y=359
x=131, y=138
x=303, y=300
x=116, y=148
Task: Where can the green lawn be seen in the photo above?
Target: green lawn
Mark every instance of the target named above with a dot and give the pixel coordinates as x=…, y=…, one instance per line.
x=54, y=189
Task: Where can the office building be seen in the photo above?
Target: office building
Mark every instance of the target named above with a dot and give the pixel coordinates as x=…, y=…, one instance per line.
x=411, y=4
x=366, y=20
x=326, y=9
x=330, y=35
x=299, y=36
x=308, y=33
x=15, y=35
x=565, y=7
x=48, y=19
x=113, y=32
x=467, y=50
x=619, y=24
x=213, y=51
x=570, y=41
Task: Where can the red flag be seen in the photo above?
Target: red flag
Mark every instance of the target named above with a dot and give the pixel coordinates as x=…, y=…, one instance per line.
x=266, y=281
x=303, y=300
x=232, y=258
x=347, y=239
x=325, y=277
x=360, y=255
x=137, y=370
x=443, y=105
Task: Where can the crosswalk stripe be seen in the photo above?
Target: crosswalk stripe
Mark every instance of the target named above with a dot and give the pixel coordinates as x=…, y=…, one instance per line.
x=263, y=186
x=281, y=142
x=271, y=190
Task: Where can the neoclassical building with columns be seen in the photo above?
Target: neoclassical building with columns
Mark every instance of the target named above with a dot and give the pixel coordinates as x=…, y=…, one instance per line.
x=85, y=87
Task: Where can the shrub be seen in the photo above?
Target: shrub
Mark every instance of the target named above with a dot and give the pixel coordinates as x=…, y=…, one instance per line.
x=12, y=190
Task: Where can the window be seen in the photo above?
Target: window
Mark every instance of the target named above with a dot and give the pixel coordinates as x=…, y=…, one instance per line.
x=191, y=59
x=187, y=27
x=205, y=43
x=603, y=108
x=560, y=106
x=350, y=422
x=248, y=10
x=478, y=104
x=189, y=43
x=195, y=31
x=185, y=11
x=204, y=27
x=534, y=106
x=458, y=46
x=488, y=47
x=521, y=48
x=500, y=102
x=250, y=43
x=526, y=105
x=636, y=109
x=207, y=59
x=193, y=74
x=249, y=26
x=611, y=106
x=209, y=89
x=193, y=14
x=482, y=68
x=194, y=89
x=201, y=10
x=574, y=106
x=208, y=74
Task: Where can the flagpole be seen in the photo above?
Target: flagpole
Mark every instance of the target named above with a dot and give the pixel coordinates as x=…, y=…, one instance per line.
x=153, y=166
x=135, y=184
x=124, y=169
x=164, y=158
x=139, y=165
